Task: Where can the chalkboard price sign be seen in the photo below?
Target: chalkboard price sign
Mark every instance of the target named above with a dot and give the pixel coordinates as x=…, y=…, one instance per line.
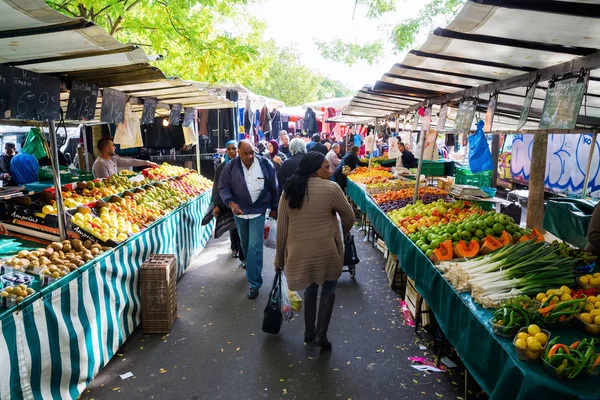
x=188, y=117
x=562, y=103
x=175, y=114
x=527, y=104
x=149, y=110
x=464, y=117
x=34, y=96
x=113, y=106
x=5, y=89
x=82, y=101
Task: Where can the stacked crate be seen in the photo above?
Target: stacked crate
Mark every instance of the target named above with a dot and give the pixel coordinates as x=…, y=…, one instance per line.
x=159, y=293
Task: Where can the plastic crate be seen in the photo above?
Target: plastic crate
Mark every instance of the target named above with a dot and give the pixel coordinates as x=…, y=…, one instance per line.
x=433, y=168
x=159, y=293
x=464, y=176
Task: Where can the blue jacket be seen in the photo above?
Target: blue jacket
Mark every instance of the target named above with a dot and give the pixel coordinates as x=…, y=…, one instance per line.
x=24, y=168
x=232, y=187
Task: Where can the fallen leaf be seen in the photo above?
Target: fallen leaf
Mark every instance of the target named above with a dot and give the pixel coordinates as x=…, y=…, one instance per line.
x=142, y=348
x=379, y=350
x=238, y=349
x=310, y=358
x=119, y=354
x=162, y=370
x=291, y=365
x=210, y=323
x=116, y=388
x=439, y=395
x=222, y=350
x=416, y=381
x=348, y=363
x=358, y=358
x=284, y=391
x=189, y=309
x=281, y=380
x=336, y=369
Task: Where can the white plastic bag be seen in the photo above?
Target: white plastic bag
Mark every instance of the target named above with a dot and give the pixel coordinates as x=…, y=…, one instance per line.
x=270, y=233
x=286, y=306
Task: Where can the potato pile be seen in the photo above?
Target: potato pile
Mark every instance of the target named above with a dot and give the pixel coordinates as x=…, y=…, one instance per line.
x=58, y=259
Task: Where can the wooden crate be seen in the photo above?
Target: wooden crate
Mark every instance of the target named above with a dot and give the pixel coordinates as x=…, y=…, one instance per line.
x=396, y=277
x=411, y=297
x=381, y=246
x=159, y=293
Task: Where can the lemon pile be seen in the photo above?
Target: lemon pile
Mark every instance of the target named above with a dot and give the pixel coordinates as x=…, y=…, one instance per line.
x=531, y=341
x=592, y=311
x=591, y=280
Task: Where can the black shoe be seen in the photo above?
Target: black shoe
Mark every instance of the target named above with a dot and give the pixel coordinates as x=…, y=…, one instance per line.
x=252, y=293
x=234, y=253
x=244, y=264
x=325, y=311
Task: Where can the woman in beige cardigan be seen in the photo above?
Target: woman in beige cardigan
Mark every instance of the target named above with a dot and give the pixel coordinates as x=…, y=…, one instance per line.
x=309, y=244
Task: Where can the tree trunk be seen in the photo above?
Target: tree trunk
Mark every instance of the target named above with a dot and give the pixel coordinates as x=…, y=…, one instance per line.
x=535, y=204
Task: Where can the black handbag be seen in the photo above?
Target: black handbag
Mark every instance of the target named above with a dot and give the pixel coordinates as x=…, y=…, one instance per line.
x=350, y=253
x=273, y=317
x=224, y=223
x=208, y=217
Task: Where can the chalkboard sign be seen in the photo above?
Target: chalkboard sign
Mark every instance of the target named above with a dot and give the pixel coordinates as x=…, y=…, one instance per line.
x=82, y=101
x=188, y=117
x=149, y=110
x=113, y=106
x=562, y=103
x=34, y=96
x=491, y=110
x=527, y=104
x=175, y=114
x=464, y=117
x=5, y=89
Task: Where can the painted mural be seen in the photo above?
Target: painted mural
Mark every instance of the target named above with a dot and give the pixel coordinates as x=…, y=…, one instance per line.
x=565, y=164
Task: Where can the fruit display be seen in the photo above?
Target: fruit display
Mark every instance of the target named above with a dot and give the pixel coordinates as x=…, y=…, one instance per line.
x=375, y=175
x=568, y=362
x=590, y=280
x=57, y=259
x=11, y=295
x=379, y=187
x=164, y=171
x=531, y=342
x=585, y=258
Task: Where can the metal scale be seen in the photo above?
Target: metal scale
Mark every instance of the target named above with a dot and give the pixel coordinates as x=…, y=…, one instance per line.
x=467, y=191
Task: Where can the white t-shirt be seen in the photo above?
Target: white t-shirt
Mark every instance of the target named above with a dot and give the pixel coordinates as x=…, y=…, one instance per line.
x=255, y=180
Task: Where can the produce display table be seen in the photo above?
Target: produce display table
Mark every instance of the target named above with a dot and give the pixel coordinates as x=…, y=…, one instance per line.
x=569, y=219
x=491, y=359
x=55, y=342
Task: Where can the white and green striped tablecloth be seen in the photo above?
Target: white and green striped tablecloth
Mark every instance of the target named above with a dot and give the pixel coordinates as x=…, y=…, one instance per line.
x=56, y=344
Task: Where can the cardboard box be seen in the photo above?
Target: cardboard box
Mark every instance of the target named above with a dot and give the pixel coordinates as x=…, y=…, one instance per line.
x=445, y=183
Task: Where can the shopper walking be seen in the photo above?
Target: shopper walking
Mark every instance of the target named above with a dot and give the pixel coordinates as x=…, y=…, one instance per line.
x=333, y=158
x=221, y=212
x=273, y=154
x=309, y=244
x=248, y=186
x=289, y=166
x=284, y=144
x=316, y=145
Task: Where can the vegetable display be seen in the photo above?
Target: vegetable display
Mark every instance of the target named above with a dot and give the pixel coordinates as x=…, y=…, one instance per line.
x=571, y=361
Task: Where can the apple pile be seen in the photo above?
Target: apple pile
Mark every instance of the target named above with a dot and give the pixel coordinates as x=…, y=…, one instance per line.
x=375, y=175
x=164, y=171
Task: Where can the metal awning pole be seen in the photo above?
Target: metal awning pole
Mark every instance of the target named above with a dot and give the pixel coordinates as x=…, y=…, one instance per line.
x=197, y=141
x=420, y=166
x=589, y=166
x=53, y=154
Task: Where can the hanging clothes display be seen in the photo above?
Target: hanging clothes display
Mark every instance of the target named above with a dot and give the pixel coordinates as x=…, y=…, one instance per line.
x=299, y=125
x=232, y=95
x=285, y=123
x=450, y=140
x=310, y=121
x=203, y=130
x=248, y=118
x=275, y=123
x=265, y=121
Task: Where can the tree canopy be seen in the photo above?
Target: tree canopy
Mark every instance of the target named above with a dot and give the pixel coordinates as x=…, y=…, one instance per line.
x=401, y=36
x=212, y=41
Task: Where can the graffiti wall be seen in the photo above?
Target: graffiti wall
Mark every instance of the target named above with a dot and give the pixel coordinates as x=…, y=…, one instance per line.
x=566, y=162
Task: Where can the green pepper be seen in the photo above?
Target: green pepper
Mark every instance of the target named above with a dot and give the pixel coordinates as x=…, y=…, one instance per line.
x=567, y=304
x=584, y=361
x=559, y=370
x=548, y=301
x=549, y=345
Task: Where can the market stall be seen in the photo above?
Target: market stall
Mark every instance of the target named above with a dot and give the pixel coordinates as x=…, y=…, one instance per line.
x=490, y=358
x=58, y=340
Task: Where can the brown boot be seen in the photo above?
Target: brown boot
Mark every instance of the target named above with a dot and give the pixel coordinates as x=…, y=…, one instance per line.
x=325, y=311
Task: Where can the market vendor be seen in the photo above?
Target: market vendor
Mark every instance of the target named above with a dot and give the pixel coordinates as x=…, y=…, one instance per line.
x=593, y=235
x=408, y=158
x=107, y=162
x=352, y=161
x=9, y=153
x=24, y=168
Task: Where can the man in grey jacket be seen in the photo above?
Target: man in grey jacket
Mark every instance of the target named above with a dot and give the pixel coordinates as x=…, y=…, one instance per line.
x=108, y=162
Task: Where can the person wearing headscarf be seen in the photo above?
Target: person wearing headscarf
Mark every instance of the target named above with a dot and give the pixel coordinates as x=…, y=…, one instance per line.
x=221, y=210
x=308, y=210
x=273, y=154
